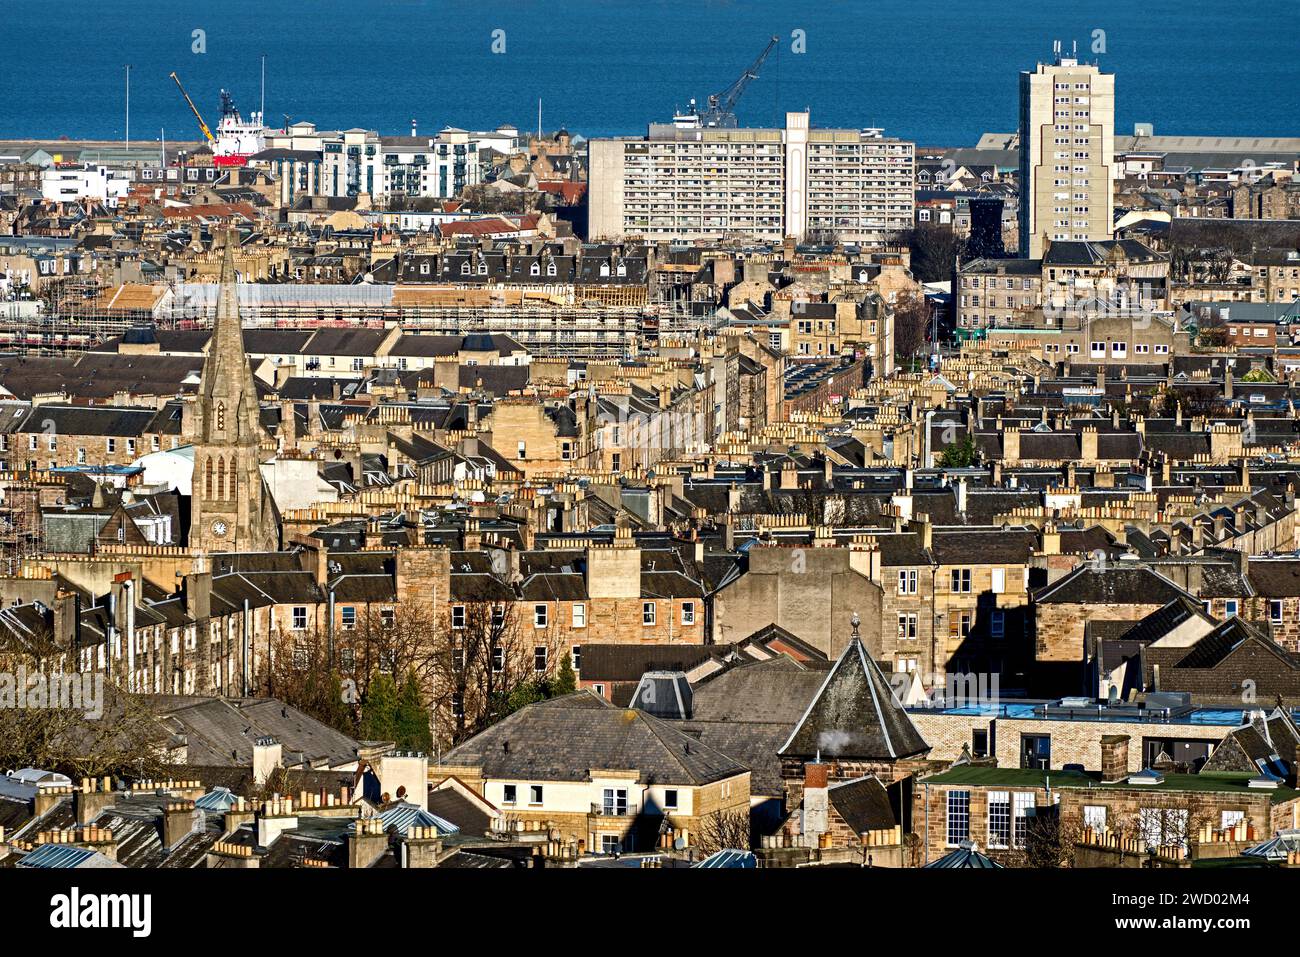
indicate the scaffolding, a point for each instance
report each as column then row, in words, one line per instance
column 543, row 328
column 82, row 312
column 76, row 315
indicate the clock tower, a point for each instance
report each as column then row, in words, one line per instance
column 230, row 507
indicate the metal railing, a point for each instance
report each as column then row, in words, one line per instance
column 614, row 809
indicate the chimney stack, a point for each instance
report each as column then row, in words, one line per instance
column 1088, row 444
column 816, row 800
column 1114, row 757
column 92, row 798
column 268, row 754
column 277, row 817
column 924, row 529
column 1051, row 539
column 198, row 595
column 367, row 842
column 178, row 822
column 423, row 847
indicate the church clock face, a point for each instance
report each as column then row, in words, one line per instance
column 219, row 528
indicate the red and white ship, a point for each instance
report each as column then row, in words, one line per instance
column 236, row 139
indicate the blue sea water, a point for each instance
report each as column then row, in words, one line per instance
column 939, row 74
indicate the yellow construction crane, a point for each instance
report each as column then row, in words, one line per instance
column 207, row 133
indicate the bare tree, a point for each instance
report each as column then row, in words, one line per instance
column 934, row 251
column 722, row 830
column 1201, row 400
column 298, row 670
column 396, row 641
column 911, row 323
column 1170, row 821
column 121, row 736
column 328, row 676
column 1050, row 841
column 487, row 663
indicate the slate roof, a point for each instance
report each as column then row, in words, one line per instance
column 1266, row 744
column 1222, row 641
column 89, row 420
column 1163, row 620
column 863, row 804
column 855, row 715
column 449, row 805
column 966, row 857
column 221, row 731
column 563, row 739
column 984, row 546
column 1275, row 577
column 664, row 694
column 1115, row 584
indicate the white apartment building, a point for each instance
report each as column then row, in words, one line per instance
column 1067, row 149
column 765, row 184
column 391, row 167
column 67, row 183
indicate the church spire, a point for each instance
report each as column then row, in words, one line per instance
column 227, row 380
column 230, row 507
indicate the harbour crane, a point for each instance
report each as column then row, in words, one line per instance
column 207, row 133
column 721, row 109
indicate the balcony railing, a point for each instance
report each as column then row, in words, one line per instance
column 614, row 809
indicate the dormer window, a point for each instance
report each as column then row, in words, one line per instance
column 464, row 269
column 535, row 270
column 604, row 269
column 482, row 269
column 550, row 269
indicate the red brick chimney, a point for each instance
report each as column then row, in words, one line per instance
column 816, row 775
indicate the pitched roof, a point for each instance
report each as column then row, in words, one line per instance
column 863, row 804
column 776, row 691
column 1164, row 620
column 855, row 715
column 1129, row 584
column 966, row 857
column 564, row 739
column 1211, row 650
column 628, row 662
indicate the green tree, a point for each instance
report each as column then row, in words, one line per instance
column 565, row 680
column 411, row 718
column 379, row 709
column 323, row 699
column 959, row 455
